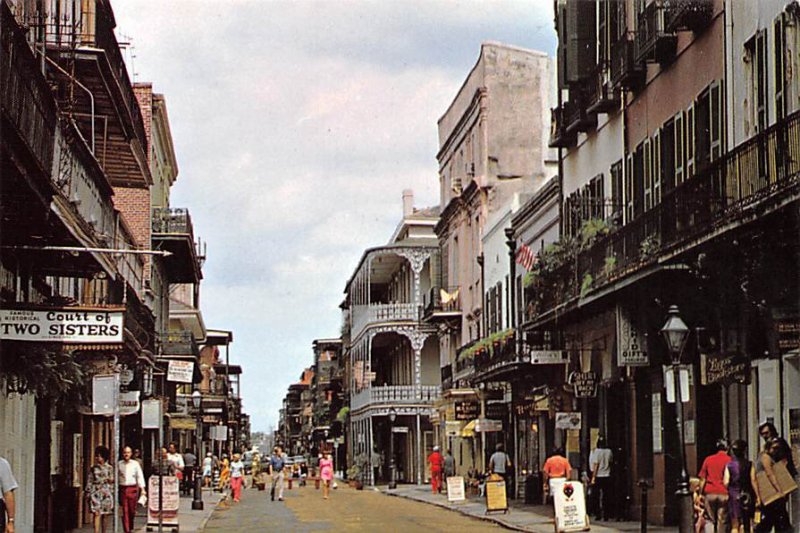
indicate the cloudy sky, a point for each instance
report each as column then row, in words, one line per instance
column 297, row 125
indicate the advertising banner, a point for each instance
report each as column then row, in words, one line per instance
column 169, row 508
column 455, row 489
column 180, row 371
column 568, row 420
column 128, row 403
column 570, row 507
column 68, row 325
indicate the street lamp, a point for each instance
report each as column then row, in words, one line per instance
column 197, row 501
column 675, row 333
column 392, row 466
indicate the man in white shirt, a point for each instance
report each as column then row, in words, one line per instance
column 175, row 459
column 600, row 463
column 7, row 502
column 131, row 484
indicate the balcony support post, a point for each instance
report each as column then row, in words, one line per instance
column 419, row 451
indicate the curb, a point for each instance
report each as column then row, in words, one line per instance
column 486, row 518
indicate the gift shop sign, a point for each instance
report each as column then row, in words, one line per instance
column 80, row 326
column 631, row 350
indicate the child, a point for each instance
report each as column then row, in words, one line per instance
column 702, row 523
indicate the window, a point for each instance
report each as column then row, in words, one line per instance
column 780, row 67
column 717, row 121
column 638, row 180
column 655, row 171
column 689, row 142
column 678, row 142
column 760, row 80
column 667, row 156
column 629, row 211
column 647, row 174
column 616, row 191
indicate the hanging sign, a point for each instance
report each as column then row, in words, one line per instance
column 466, row 410
column 104, row 393
column 128, row 403
column 399, row 429
column 548, row 357
column 452, row 428
column 631, row 350
column 486, row 425
column 585, row 384
column 655, row 412
column 724, row 368
column 685, row 378
column 151, row 414
column 570, row 507
column 79, row 326
column 568, row 420
column 180, row 371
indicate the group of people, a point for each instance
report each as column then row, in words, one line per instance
column 276, row 468
column 730, row 490
column 440, row 465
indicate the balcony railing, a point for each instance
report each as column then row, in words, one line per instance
column 692, row 15
column 653, row 41
column 578, row 118
column 178, row 343
column 442, row 301
column 626, row 72
column 603, row 99
column 172, row 220
column 759, row 171
column 395, row 394
column 447, row 376
column 367, row 315
column 26, row 99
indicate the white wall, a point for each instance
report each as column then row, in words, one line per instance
column 18, row 446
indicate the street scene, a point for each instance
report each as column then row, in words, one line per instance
column 438, row 265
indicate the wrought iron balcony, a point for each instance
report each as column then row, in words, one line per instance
column 626, row 72
column 179, row 343
column 758, row 176
column 395, row 395
column 442, row 304
column 579, row 118
column 27, row 102
column 377, row 313
column 653, row 40
column 694, row 15
column 172, row 231
column 603, row 99
column 447, row 376
column 559, row 137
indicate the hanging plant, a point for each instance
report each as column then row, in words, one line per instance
column 45, row 372
column 586, row 284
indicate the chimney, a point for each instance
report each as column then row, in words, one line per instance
column 408, row 203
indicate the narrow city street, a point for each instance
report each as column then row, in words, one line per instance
column 347, row 510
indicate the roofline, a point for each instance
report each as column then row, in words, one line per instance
column 386, row 247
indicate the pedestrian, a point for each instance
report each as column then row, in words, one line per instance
column 224, row 473
column 131, row 486
column 699, row 507
column 276, row 464
column 449, row 465
column 783, row 452
column 100, row 488
column 237, row 477
column 556, row 470
column 208, row 463
column 500, row 463
column 773, row 514
column 326, row 474
column 189, row 463
column 436, row 461
column 8, row 502
column 176, row 460
column 713, row 487
column 600, row 464
column 737, row 480
column 137, row 456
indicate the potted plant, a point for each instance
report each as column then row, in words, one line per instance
column 354, row 475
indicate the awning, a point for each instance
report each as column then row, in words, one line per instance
column 469, row 429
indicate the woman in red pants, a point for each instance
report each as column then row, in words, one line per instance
column 436, row 461
column 237, row 477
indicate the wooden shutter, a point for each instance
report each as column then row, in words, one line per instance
column 716, row 121
column 679, row 133
column 656, row 172
column 628, row 188
column 647, row 174
column 689, row 142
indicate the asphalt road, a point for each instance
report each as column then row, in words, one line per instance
column 347, row 509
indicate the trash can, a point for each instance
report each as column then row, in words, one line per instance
column 533, row 488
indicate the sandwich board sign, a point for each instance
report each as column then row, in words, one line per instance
column 455, row 489
column 496, row 495
column 570, row 507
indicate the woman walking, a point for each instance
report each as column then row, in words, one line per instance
column 737, row 479
column 326, row 474
column 100, row 488
column 224, row 474
column 208, row 462
column 237, row 477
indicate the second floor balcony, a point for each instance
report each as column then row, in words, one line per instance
column 694, row 15
column 173, row 232
column 389, row 395
column 379, row 313
column 179, row 344
column 559, row 136
column 653, row 40
column 751, row 181
column 442, row 304
column 626, row 71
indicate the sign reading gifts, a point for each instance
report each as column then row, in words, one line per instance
column 631, row 348
column 81, row 326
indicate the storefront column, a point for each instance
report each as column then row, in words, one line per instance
column 419, row 452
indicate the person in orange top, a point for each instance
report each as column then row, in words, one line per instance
column 436, row 461
column 556, row 467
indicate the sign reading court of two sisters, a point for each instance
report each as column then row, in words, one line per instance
column 67, row 325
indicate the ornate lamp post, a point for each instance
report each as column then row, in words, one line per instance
column 197, row 501
column 675, row 333
column 392, row 466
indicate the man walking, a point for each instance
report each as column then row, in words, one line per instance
column 131, row 483
column 276, row 464
column 8, row 508
column 189, row 463
column 436, row 461
column 556, row 470
column 449, row 465
column 600, row 463
column 500, row 463
column 713, row 486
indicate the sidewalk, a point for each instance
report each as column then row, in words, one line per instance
column 189, row 520
column 521, row 517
